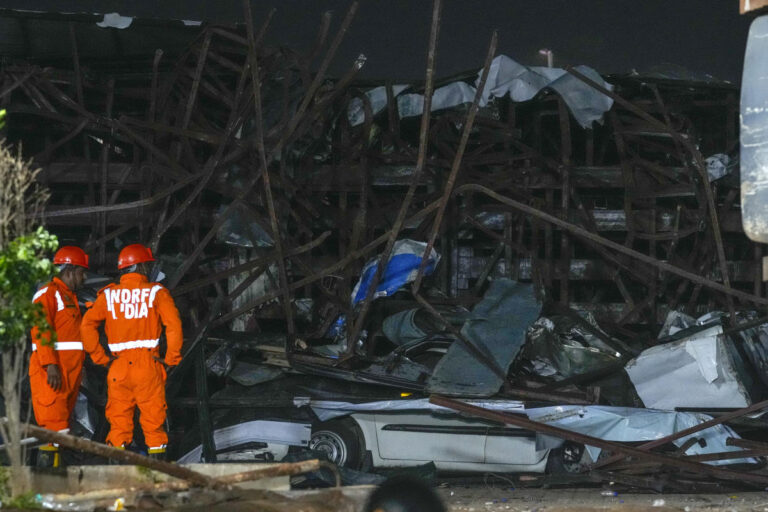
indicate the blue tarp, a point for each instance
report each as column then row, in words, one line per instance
column 401, row 269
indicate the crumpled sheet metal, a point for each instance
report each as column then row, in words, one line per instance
column 448, row 96
column 497, row 326
column 675, row 322
column 522, row 83
column 557, row 346
column 696, row 371
column 261, row 431
column 754, row 343
column 624, row 424
column 719, row 165
column 506, row 76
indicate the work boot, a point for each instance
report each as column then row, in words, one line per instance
column 157, row 453
column 115, row 462
column 48, row 456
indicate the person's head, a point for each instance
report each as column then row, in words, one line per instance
column 404, row 494
column 135, row 258
column 72, row 262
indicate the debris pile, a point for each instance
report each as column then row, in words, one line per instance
column 540, row 228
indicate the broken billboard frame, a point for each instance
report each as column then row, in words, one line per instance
column 619, row 219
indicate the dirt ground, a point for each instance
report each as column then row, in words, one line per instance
column 474, row 498
column 480, row 498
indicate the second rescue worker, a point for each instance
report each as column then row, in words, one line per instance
column 55, row 369
column 134, row 312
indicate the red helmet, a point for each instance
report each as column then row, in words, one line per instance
column 133, row 254
column 69, row 254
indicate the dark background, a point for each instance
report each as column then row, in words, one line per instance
column 704, row 36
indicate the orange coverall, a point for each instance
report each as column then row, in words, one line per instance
column 133, row 312
column 53, row 408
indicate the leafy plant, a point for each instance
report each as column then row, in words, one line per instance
column 23, row 501
column 23, row 263
column 24, row 245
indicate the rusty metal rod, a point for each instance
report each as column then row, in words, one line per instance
column 742, row 454
column 48, row 151
column 261, row 151
column 177, row 171
column 248, row 265
column 700, row 167
column 746, row 325
column 192, row 97
column 747, row 444
column 210, row 168
column 322, row 35
column 456, row 165
column 346, row 260
column 123, row 206
column 246, row 189
column 608, row 243
column 18, row 82
column 383, row 259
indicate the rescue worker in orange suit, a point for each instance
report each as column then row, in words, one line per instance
column 134, row 312
column 55, row 366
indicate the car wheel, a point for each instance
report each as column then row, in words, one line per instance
column 340, row 441
column 566, row 459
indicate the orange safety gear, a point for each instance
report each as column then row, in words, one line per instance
column 53, row 408
column 71, row 255
column 134, row 312
column 134, row 254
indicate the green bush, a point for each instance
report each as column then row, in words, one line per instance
column 23, row 263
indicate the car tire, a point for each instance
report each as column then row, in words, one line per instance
column 341, row 441
column 565, row 459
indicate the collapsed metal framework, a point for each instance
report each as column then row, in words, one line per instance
column 620, row 219
column 644, row 467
